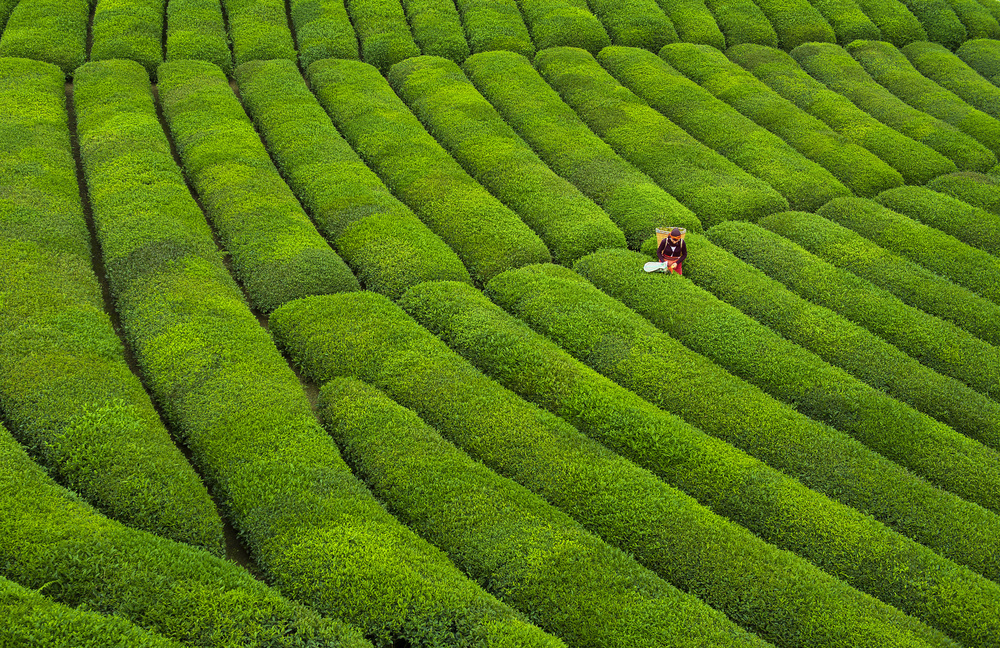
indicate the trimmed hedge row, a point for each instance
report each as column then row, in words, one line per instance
column 939, row 21
column 196, row 30
column 952, row 73
column 54, row 31
column 383, row 33
column 693, row 22
column 437, row 28
column 847, row 19
column 50, row 539
column 972, row 225
column 556, row 133
column 741, row 21
column 465, row 123
column 803, row 183
column 379, row 237
column 665, row 529
column 861, row 171
column 323, row 30
column 495, row 25
column 129, row 29
column 6, row 6
column 486, row 235
column 708, row 184
column 890, row 68
column 894, row 20
column 530, row 554
column 635, row 23
column 259, row 30
column 276, row 252
column 938, row 252
column 835, row 68
column 66, row 390
column 916, row 162
column 979, row 22
column 563, row 23
column 797, row 22
column 976, row 189
column 983, row 56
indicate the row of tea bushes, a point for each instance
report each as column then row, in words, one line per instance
column 983, row 56
column 315, row 530
column 724, row 479
column 704, row 181
column 323, row 30
column 635, row 23
column 797, row 22
column 861, row 171
column 6, row 6
column 562, row 23
column 129, row 29
column 196, row 30
column 721, row 127
column 916, row 162
column 486, row 235
column 976, row 189
column 980, row 20
column 276, row 252
column 259, row 30
column 848, row 21
column 464, row 122
column 66, row 390
column 495, row 25
column 51, row 540
column 939, row 21
column 951, row 73
column 741, row 21
column 971, row 225
column 383, row 33
column 663, row 528
column 694, row 22
column 530, row 554
column 556, row 133
column 54, row 31
column 894, row 20
column 388, row 247
column 437, row 28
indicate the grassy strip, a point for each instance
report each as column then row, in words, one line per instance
column 742, row 21
column 379, row 237
column 894, row 20
column 983, row 56
column 196, row 30
column 952, row 73
column 556, row 133
column 976, row 189
column 708, row 184
column 939, row 21
column 530, row 554
column 693, row 22
column 54, row 31
column 938, row 252
column 277, row 253
column 847, row 19
column 66, row 390
column 797, row 22
column 916, row 162
column 803, row 183
column 465, row 123
column 486, row 235
column 563, row 23
column 129, row 29
column 259, row 30
column 50, row 539
column 495, row 25
column 437, row 28
column 383, row 33
column 635, row 23
column 836, row 69
column 861, row 171
column 973, row 225
column 323, row 30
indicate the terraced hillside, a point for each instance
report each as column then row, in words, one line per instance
column 325, row 323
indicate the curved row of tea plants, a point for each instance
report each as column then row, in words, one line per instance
column 54, row 31
column 741, row 21
column 196, row 30
column 258, row 29
column 323, row 30
column 983, row 56
column 129, row 29
column 976, row 189
column 437, row 28
column 635, row 23
column 495, row 25
column 797, row 22
column 951, row 73
column 559, row 23
column 847, row 19
column 383, row 33
column 971, row 225
column 694, row 22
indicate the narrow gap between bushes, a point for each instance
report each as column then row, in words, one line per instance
column 90, row 28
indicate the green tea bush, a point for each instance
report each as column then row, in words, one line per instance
column 916, row 162
column 464, row 122
column 693, row 22
column 836, row 69
column 129, row 29
column 952, row 73
column 861, row 171
column 708, row 184
column 848, row 20
column 437, row 28
column 716, row 124
column 196, row 30
column 323, row 30
column 54, row 31
column 894, row 20
column 635, row 23
column 741, row 21
column 635, row 203
column 259, row 30
column 383, row 33
column 380, row 238
column 529, row 553
column 276, row 251
column 976, row 189
column 973, row 225
column 486, row 235
column 979, row 22
column 797, row 22
column 939, row 21
column 563, row 23
column 495, row 25
column 983, row 56
column 6, row 6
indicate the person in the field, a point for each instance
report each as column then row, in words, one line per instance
column 673, row 250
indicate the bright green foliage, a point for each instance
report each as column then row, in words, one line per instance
column 973, row 225
column 797, row 22
column 708, row 184
column 495, row 25
column 916, row 162
column 66, row 390
column 693, row 22
column 530, row 554
column 379, row 237
column 129, row 29
column 939, row 21
column 977, row 19
column 861, row 171
column 383, row 33
column 977, row 189
column 437, row 28
column 563, row 23
column 952, row 73
column 196, row 30
column 465, row 123
column 741, row 21
column 54, row 31
column 991, row 7
column 983, row 56
column 847, row 19
column 486, row 235
column 50, row 539
column 276, row 251
column 894, row 20
column 635, row 23
column 890, row 68
column 323, row 30
column 634, row 202
column 259, row 30
column 835, row 68
column 803, row 183
column 6, row 6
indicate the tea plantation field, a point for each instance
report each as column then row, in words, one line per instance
column 324, row 323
